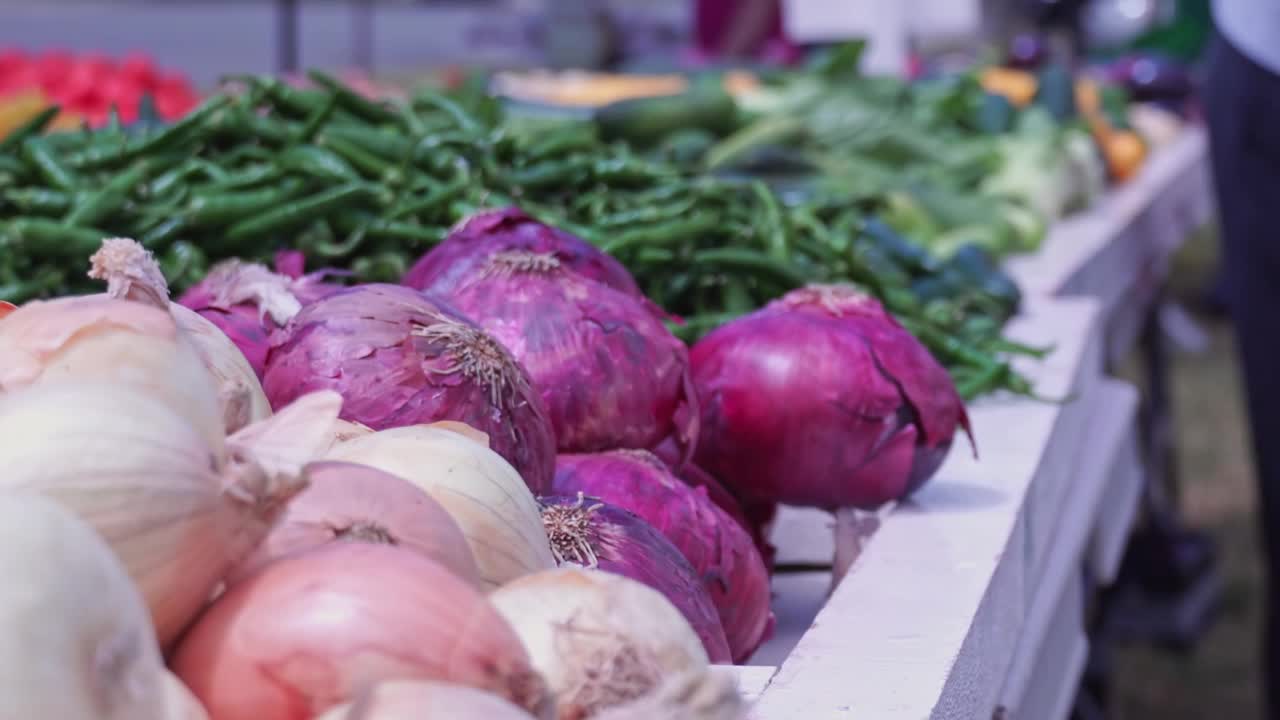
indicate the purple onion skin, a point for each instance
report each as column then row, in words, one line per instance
column 718, row 548
column 625, row 544
column 248, row 327
column 365, row 344
column 493, row 231
column 822, row 399
column 610, row 373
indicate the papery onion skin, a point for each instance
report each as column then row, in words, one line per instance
column 822, row 399
column 754, row 519
column 181, row 704
column 178, row 513
column 601, row 640
column 481, row 491
column 399, row 358
column 346, row 502
column 132, row 273
column 77, row 641
column 248, row 302
column 609, row 371
column 489, row 232
column 590, row 533
column 96, row 338
column 413, row 700
column 719, row 549
column 312, row 631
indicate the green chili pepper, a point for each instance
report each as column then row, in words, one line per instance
column 97, row 206
column 38, row 201
column 432, row 202
column 183, row 262
column 208, row 210
column 36, row 153
column 665, row 234
column 383, row 267
column 163, row 232
column 318, row 163
column 176, row 133
column 299, row 212
column 388, row 146
column 353, row 101
column 460, row 117
column 418, row 236
column 775, row 230
column 373, row 167
column 29, row 129
column 308, row 131
column 42, row 237
column 743, row 259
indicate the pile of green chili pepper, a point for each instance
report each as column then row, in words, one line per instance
column 370, row 186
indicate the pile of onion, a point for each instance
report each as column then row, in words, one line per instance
column 589, row 533
column 822, row 399
column 77, row 643
column 610, row 372
column 600, row 640
column 248, row 302
column 345, row 502
column 179, row 511
column 483, row 494
column 313, row 630
column 419, row 700
column 721, row 552
column 490, row 232
column 399, row 358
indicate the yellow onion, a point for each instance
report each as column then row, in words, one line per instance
column 599, row 639
column 131, row 273
column 177, row 511
column 695, row 695
column 410, row 700
column 482, row 492
column 76, row 642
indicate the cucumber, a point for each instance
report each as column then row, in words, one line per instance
column 1056, row 92
column 645, row 121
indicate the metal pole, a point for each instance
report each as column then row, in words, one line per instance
column 287, row 36
column 362, row 34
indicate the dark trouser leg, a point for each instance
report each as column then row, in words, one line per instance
column 1243, row 107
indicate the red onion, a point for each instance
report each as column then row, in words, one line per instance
column 490, row 232
column 822, row 399
column 610, row 372
column 399, row 358
column 248, row 302
column 590, row 533
column 6, row 308
column 754, row 519
column 316, row 629
column 346, row 502
column 718, row 548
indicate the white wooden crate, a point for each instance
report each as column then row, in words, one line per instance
column 930, row 616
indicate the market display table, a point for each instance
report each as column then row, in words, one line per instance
column 968, row 600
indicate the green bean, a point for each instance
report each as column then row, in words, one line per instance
column 354, row 101
column 460, row 117
column 317, row 162
column 98, row 206
column 38, row 201
column 743, row 259
column 208, row 210
column 665, row 234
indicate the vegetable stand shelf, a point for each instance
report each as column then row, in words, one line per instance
column 967, row 598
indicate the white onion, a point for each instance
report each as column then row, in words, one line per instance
column 75, row 639
column 599, row 639
column 484, row 494
column 132, row 273
column 178, row 512
column 413, row 700
column 180, row 703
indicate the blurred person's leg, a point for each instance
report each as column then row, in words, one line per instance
column 1242, row 102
